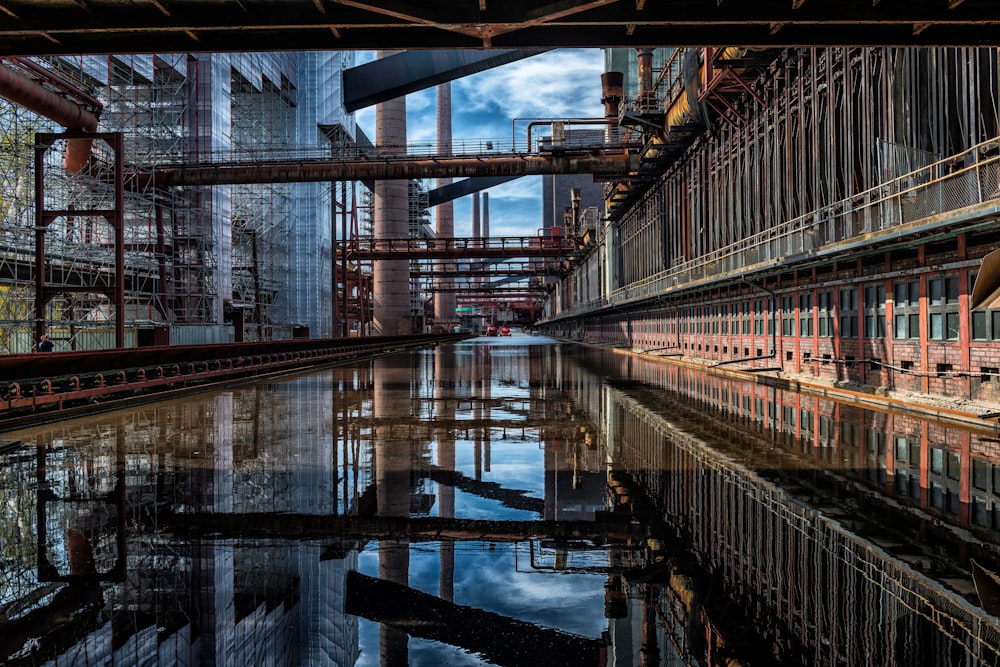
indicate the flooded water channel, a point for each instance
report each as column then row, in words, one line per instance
column 508, row 501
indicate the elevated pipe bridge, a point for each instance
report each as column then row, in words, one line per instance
column 604, row 162
column 509, row 247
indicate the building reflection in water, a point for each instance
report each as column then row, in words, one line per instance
column 514, row 501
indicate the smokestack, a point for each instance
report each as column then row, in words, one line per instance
column 391, row 277
column 486, row 215
column 575, row 217
column 476, row 231
column 444, row 214
column 612, row 84
column 646, row 98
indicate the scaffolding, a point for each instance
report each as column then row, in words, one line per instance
column 202, row 264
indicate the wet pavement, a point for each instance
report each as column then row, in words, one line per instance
column 509, row 501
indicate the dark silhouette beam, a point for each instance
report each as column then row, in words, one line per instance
column 410, row 71
column 499, row 639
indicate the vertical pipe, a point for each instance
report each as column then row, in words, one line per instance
column 647, row 100
column 612, row 84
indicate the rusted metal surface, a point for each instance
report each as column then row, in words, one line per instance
column 394, row 168
column 510, row 247
column 40, row 385
column 31, row 27
column 486, row 270
column 32, row 95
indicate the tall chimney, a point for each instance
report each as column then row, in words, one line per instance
column 391, row 277
column 444, row 214
column 486, row 215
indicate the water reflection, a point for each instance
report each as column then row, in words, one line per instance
column 513, row 501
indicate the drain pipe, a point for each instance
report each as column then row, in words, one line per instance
column 774, row 328
column 34, row 97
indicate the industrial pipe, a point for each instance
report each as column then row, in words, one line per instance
column 308, row 171
column 612, row 87
column 34, row 97
column 647, row 98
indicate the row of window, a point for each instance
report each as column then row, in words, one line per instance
column 942, row 314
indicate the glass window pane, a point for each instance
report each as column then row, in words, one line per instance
column 900, row 326
column 914, row 326
column 937, row 291
column 951, row 289
column 936, row 326
column 900, row 296
column 951, row 321
column 937, row 460
column 995, row 316
column 979, row 325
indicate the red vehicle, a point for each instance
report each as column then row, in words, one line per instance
column 492, row 331
column 504, row 331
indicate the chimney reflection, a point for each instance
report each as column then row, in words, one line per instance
column 393, row 468
column 446, row 376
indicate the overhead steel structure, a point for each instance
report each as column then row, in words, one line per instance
column 42, row 27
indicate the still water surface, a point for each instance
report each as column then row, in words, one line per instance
column 513, row 501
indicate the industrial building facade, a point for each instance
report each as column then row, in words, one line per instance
column 204, row 263
column 821, row 211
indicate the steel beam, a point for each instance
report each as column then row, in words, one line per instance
column 66, row 27
column 410, row 71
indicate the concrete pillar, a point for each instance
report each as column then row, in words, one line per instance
column 391, row 279
column 444, row 302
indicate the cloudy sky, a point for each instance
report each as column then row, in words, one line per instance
column 565, row 83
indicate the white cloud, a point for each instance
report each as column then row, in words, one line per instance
column 556, row 84
column 565, row 83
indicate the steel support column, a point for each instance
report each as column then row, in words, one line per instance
column 114, row 216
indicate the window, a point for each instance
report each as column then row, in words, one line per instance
column 875, row 311
column 824, row 303
column 746, row 318
column 805, row 315
column 788, row 316
column 985, row 323
column 906, row 309
column 942, row 308
column 847, row 310
column 758, row 317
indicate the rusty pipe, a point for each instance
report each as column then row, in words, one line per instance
column 27, row 93
column 612, row 93
column 308, row 171
column 647, row 99
column 65, row 86
column 35, row 97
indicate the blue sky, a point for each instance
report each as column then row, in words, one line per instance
column 565, row 83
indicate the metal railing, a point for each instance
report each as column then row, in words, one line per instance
column 960, row 181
